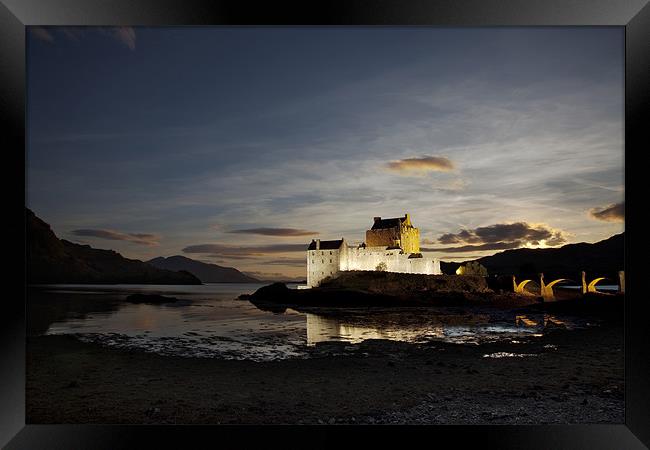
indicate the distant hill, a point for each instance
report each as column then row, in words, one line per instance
column 51, row 260
column 207, row 273
column 603, row 258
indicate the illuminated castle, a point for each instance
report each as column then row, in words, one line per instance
column 392, row 245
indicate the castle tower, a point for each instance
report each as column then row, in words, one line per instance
column 397, row 232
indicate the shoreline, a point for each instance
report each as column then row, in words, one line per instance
column 577, row 377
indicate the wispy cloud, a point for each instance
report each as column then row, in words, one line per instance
column 610, row 213
column 41, row 33
column 73, row 33
column 124, row 35
column 220, row 257
column 294, row 262
column 476, row 248
column 422, row 165
column 234, row 251
column 275, row 231
column 137, row 238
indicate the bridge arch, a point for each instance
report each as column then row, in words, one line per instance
column 554, row 282
column 518, row 288
column 547, row 289
column 592, row 285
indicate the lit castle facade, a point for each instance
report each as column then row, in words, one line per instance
column 392, row 245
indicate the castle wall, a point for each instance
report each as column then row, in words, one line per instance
column 369, row 258
column 322, row 264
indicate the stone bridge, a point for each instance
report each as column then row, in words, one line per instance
column 546, row 290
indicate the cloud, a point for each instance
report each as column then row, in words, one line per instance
column 236, row 257
column 419, row 166
column 508, row 136
column 73, row 33
column 126, row 35
column 474, row 248
column 137, row 238
column 456, row 257
column 450, row 186
column 233, row 251
column 275, row 231
column 610, row 213
column 42, row 34
column 503, row 236
column 295, row 262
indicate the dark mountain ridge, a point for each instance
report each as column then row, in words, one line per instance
column 603, row 258
column 51, row 260
column 207, row 273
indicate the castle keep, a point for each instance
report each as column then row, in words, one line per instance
column 394, row 233
column 392, row 245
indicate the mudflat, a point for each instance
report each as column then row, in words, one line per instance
column 561, row 377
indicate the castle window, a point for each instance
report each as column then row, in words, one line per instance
column 330, row 261
column 330, row 252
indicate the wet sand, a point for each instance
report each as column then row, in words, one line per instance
column 577, row 377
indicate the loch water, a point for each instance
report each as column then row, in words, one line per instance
column 210, row 321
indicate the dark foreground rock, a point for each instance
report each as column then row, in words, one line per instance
column 401, row 284
column 381, row 289
column 568, row 377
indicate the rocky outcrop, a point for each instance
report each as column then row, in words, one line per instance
column 391, row 283
column 381, row 289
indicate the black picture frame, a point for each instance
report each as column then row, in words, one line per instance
column 634, row 15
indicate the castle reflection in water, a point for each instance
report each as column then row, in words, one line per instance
column 323, row 329
column 327, row 329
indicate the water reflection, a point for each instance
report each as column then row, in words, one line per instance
column 541, row 321
column 323, row 329
column 210, row 322
column 426, row 325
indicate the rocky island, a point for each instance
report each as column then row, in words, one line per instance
column 368, row 288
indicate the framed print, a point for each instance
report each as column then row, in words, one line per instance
column 315, row 221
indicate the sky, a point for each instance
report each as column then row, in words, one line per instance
column 238, row 146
